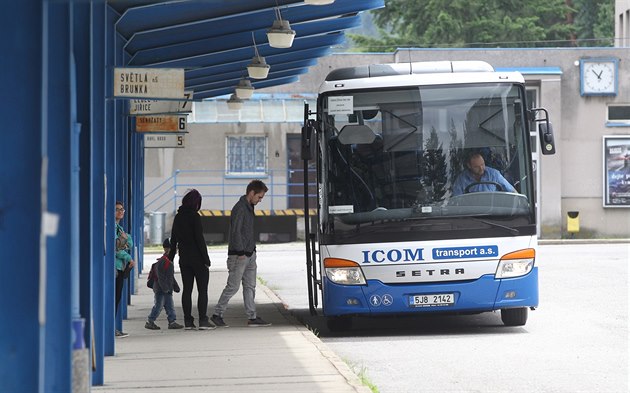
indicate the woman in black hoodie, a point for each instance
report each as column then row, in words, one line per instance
column 187, row 238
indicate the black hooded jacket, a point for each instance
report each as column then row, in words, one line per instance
column 187, row 238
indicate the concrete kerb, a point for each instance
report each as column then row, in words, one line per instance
column 543, row 242
column 341, row 366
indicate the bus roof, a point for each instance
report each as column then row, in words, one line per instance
column 421, row 67
column 417, row 73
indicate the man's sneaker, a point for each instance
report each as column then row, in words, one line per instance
column 151, row 326
column 257, row 322
column 175, row 325
column 190, row 326
column 204, row 324
column 120, row 334
column 217, row 320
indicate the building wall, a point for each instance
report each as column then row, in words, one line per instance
column 622, row 23
column 572, row 179
column 201, row 165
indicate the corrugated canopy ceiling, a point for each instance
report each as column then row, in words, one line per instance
column 212, row 39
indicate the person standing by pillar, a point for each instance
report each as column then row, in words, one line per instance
column 124, row 260
column 241, row 262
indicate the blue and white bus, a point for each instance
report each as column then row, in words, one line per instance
column 393, row 234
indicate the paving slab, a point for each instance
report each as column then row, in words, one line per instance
column 285, row 357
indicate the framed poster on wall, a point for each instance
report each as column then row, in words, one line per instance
column 616, row 171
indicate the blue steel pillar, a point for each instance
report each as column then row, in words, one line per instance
column 110, row 185
column 139, row 197
column 21, row 201
column 61, row 142
column 121, row 172
column 135, row 197
column 85, row 228
column 95, row 325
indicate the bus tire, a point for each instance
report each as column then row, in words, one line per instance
column 514, row 316
column 339, row 324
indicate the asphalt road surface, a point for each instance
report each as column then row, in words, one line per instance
column 576, row 341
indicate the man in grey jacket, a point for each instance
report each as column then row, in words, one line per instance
column 241, row 260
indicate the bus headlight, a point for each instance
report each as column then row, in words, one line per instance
column 343, row 271
column 516, row 264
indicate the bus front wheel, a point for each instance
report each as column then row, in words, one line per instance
column 514, row 316
column 339, row 324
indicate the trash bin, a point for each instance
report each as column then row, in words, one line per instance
column 573, row 222
column 157, row 222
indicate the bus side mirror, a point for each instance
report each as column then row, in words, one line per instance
column 547, row 143
column 306, row 152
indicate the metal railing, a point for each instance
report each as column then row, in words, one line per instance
column 221, row 191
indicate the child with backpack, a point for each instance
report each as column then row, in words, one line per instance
column 162, row 280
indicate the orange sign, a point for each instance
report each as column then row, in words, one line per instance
column 164, row 123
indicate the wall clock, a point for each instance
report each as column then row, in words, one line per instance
column 598, row 76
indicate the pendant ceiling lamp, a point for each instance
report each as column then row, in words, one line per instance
column 258, row 68
column 319, row 2
column 234, row 103
column 280, row 34
column 244, row 89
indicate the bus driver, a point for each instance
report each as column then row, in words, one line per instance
column 480, row 178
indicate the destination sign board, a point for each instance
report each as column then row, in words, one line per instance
column 164, row 140
column 149, row 82
column 155, row 107
column 161, row 123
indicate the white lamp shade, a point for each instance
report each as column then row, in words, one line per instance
column 258, row 68
column 319, row 2
column 244, row 93
column 280, row 35
column 244, row 89
column 234, row 103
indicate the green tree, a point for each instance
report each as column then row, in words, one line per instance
column 456, row 155
column 487, row 23
column 594, row 22
column 434, row 167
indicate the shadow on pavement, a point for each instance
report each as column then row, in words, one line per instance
column 409, row 325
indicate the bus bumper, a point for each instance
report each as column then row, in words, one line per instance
column 483, row 294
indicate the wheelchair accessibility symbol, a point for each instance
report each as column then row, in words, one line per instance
column 385, row 300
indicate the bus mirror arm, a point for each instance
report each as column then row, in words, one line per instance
column 306, row 152
column 306, row 155
column 545, row 131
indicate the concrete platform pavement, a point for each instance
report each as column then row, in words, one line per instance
column 285, row 357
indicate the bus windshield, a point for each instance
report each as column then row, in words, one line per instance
column 430, row 162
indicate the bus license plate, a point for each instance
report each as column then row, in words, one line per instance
column 432, row 300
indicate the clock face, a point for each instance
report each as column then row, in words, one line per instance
column 598, row 77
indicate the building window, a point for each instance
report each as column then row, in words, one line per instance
column 246, row 155
column 619, row 114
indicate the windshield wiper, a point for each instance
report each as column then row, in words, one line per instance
column 494, row 224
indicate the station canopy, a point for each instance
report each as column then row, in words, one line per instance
column 213, row 40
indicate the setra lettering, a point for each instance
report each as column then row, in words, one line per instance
column 431, row 272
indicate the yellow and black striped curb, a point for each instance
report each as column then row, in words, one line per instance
column 283, row 212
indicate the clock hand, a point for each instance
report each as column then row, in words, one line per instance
column 598, row 76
